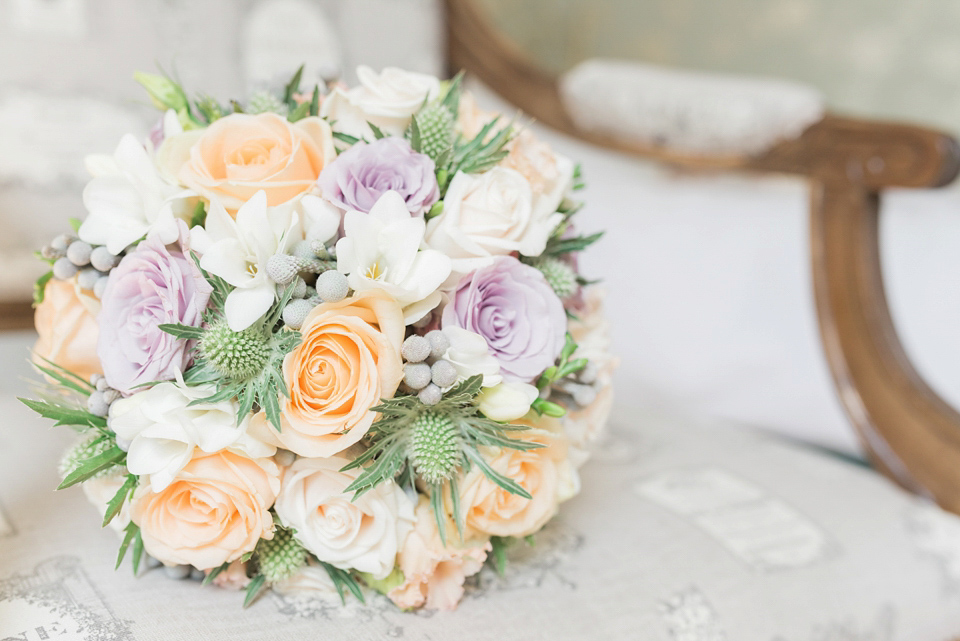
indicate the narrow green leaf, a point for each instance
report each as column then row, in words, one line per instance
column 253, row 589
column 292, row 87
column 342, row 579
column 199, row 215
column 451, row 100
column 502, row 481
column 181, row 331
column 499, row 545
column 137, row 552
column 347, row 138
column 214, row 573
column 377, row 132
column 315, row 101
column 92, row 466
column 115, row 504
column 299, row 112
column 436, row 504
column 416, row 142
column 130, row 532
column 64, row 415
column 40, row 287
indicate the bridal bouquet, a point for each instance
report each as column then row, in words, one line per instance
column 325, row 338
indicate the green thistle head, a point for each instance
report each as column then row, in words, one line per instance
column 280, row 557
column 435, row 447
column 436, row 129
column 265, row 102
column 559, row 275
column 88, row 446
column 237, row 355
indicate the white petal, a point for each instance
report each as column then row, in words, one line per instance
column 245, row 306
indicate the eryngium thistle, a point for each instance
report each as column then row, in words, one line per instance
column 266, row 102
column 238, row 355
column 88, row 446
column 280, row 557
column 434, row 447
column 436, row 130
column 559, row 275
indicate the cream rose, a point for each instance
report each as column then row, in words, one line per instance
column 241, row 154
column 544, row 473
column 387, row 99
column 489, row 215
column 214, row 512
column 347, row 360
column 66, row 321
column 364, row 535
column 507, row 401
column 549, row 173
column 433, row 572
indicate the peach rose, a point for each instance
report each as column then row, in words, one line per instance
column 214, row 512
column 241, row 154
column 544, row 473
column 66, row 321
column 434, row 573
column 348, row 360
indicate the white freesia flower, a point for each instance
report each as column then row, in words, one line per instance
column 164, row 430
column 387, row 99
column 469, row 354
column 128, row 198
column 321, row 219
column 381, row 250
column 238, row 250
column 488, row 215
column 507, row 401
column 364, row 534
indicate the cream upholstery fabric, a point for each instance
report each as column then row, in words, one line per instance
column 681, row 533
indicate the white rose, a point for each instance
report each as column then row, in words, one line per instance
column 507, row 401
column 487, row 215
column 469, row 354
column 387, row 99
column 364, row 535
column 164, row 430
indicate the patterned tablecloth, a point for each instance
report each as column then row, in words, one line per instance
column 680, row 534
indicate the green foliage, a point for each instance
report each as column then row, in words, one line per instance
column 115, row 504
column 40, row 287
column 253, row 590
column 131, row 537
column 557, row 246
column 88, row 468
column 64, row 376
column 257, row 382
column 394, row 451
column 343, row 581
column 280, row 557
column 386, row 584
column 563, row 368
column 199, row 215
column 64, row 414
column 499, row 545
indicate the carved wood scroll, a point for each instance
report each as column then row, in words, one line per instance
column 911, row 434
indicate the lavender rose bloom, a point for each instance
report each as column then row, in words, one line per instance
column 514, row 308
column 151, row 285
column 363, row 173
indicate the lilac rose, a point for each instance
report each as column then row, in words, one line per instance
column 513, row 307
column 363, row 173
column 152, row 285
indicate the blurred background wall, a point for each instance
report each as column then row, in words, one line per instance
column 883, row 58
column 67, row 90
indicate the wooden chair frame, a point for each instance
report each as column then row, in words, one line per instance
column 910, row 433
